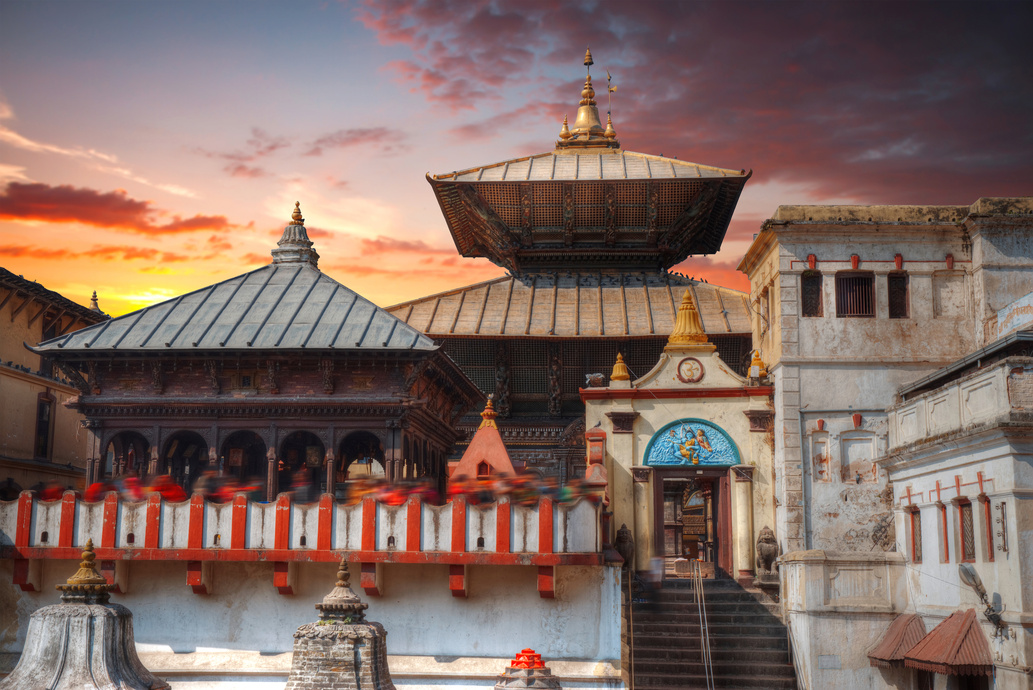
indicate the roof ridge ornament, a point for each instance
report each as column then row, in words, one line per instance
column 295, row 246
column 489, row 415
column 588, row 131
column 688, row 328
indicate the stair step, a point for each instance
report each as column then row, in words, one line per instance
column 717, row 642
column 657, row 681
column 691, row 654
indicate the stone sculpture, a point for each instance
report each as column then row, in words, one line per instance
column 767, row 552
column 342, row 650
column 83, row 643
column 625, row 545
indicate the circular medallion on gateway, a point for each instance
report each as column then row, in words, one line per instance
column 690, row 370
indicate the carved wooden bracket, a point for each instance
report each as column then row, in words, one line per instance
column 641, row 474
column 623, row 422
column 743, row 473
column 760, row 420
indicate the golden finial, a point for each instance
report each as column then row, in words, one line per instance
column 87, row 573
column 610, row 132
column 688, row 329
column 296, row 218
column 588, row 93
column 565, row 132
column 94, row 304
column 620, row 370
column 488, row 416
column 588, row 58
column 759, row 363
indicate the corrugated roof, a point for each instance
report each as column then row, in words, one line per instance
column 904, row 633
column 957, row 646
column 283, row 306
column 589, row 164
column 572, row 305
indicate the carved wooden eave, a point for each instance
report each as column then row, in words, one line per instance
column 612, row 209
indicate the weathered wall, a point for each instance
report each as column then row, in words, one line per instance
column 245, row 626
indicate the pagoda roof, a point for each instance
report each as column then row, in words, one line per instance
column 280, row 307
column 567, row 305
column 589, row 165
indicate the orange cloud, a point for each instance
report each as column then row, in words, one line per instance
column 114, row 210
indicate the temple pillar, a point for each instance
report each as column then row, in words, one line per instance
column 272, row 475
column 741, row 477
column 152, row 467
column 643, row 530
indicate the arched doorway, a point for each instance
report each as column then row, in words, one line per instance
column 300, row 460
column 186, row 453
column 127, row 453
column 361, row 457
column 243, row 457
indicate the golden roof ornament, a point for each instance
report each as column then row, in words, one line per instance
column 761, row 371
column 688, row 329
column 610, row 132
column 296, row 218
column 489, row 415
column 94, row 304
column 294, row 245
column 620, row 370
column 587, row 130
column 565, row 132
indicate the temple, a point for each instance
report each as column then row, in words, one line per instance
column 588, row 233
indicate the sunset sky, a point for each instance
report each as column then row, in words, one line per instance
column 149, row 148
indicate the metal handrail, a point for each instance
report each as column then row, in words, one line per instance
column 704, row 631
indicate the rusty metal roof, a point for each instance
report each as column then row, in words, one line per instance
column 574, row 305
column 904, row 633
column 588, row 164
column 282, row 306
column 957, row 646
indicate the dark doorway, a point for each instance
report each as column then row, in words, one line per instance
column 243, row 457
column 692, row 514
column 361, row 456
column 186, row 453
column 302, row 455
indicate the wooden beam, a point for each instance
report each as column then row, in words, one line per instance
column 26, row 302
column 42, row 309
column 47, row 323
column 10, row 294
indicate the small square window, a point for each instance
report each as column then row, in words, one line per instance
column 855, row 294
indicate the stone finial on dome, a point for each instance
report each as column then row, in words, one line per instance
column 86, row 585
column 688, row 329
column 620, row 370
column 295, row 246
column 94, row 304
column 489, row 415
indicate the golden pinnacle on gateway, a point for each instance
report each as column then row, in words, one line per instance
column 620, row 370
column 688, row 329
column 489, row 415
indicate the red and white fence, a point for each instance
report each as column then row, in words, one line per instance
column 202, row 532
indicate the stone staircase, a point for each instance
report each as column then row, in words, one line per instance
column 749, row 646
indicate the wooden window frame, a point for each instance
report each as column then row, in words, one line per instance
column 915, row 518
column 815, row 278
column 842, row 310
column 48, row 451
column 988, row 524
column 945, row 552
column 896, row 314
column 963, row 506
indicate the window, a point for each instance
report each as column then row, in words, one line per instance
column 945, row 554
column 898, row 297
column 810, row 293
column 968, row 532
column 855, row 294
column 989, row 525
column 44, row 412
column 915, row 517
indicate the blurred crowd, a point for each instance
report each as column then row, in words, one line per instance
column 520, row 489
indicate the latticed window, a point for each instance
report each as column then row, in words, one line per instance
column 855, row 294
column 898, row 297
column 968, row 532
column 916, row 536
column 810, row 293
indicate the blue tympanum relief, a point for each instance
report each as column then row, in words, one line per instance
column 691, row 442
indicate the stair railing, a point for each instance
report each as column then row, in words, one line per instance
column 704, row 631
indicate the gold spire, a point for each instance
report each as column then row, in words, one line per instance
column 565, row 132
column 587, row 130
column 488, row 416
column 610, row 132
column 94, row 304
column 620, row 370
column 588, row 58
column 296, row 218
column 87, row 585
column 688, row 329
column 87, row 573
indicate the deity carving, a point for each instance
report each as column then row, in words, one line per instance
column 555, row 385
column 767, row 552
column 502, row 405
column 691, row 442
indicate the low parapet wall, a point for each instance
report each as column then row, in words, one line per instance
column 546, row 534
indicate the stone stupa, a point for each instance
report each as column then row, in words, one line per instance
column 342, row 650
column 85, row 642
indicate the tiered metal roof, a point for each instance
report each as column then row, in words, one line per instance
column 574, row 305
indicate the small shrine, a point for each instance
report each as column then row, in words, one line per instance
column 342, row 650
column 686, row 448
column 83, row 643
column 486, row 456
column 527, row 671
